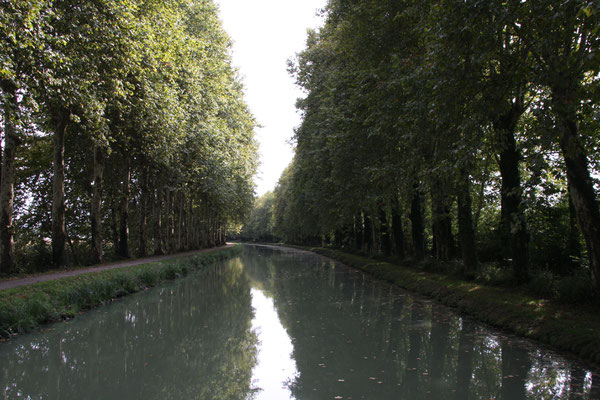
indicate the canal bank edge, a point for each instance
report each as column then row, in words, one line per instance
column 571, row 328
column 24, row 308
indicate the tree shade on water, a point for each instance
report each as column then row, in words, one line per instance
column 338, row 333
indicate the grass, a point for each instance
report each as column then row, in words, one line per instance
column 519, row 310
column 24, row 308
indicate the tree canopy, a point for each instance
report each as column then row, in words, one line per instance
column 456, row 129
column 124, row 131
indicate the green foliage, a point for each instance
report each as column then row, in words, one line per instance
column 413, row 108
column 259, row 227
column 24, row 308
column 494, row 274
column 576, row 288
column 151, row 85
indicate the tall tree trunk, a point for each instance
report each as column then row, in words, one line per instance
column 368, row 234
column 417, row 224
column 170, row 196
column 168, row 216
column 123, row 250
column 1, row 152
column 337, row 238
column 59, row 236
column 397, row 230
column 222, row 239
column 466, row 232
column 213, row 231
column 358, row 231
column 443, row 241
column 7, row 180
column 201, row 226
column 158, row 242
column 114, row 225
column 573, row 242
column 386, row 242
column 189, row 241
column 96, row 216
column 142, row 250
column 172, row 215
column 158, row 203
column 208, row 230
column 579, row 181
column 181, row 226
column 206, row 239
column 514, row 232
column 165, row 221
column 73, row 252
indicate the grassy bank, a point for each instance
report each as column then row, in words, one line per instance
column 24, row 308
column 575, row 329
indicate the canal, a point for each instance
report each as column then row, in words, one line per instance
column 282, row 324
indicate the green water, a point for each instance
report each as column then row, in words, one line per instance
column 275, row 324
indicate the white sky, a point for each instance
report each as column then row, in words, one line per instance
column 266, row 33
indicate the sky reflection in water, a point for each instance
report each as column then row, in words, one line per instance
column 274, row 368
column 275, row 324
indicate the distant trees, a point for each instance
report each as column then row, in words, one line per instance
column 259, row 226
column 151, row 141
column 462, row 129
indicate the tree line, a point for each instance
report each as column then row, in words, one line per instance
column 124, row 131
column 458, row 129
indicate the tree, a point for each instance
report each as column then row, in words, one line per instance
column 22, row 31
column 138, row 98
column 453, row 111
column 565, row 43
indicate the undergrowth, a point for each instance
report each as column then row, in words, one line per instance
column 574, row 288
column 24, row 308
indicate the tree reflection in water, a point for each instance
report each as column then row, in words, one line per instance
column 357, row 338
column 352, row 338
column 188, row 340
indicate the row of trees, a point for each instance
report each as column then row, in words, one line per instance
column 121, row 120
column 473, row 125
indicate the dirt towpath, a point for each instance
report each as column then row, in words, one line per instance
column 12, row 283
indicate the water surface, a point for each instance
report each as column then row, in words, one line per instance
column 279, row 324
